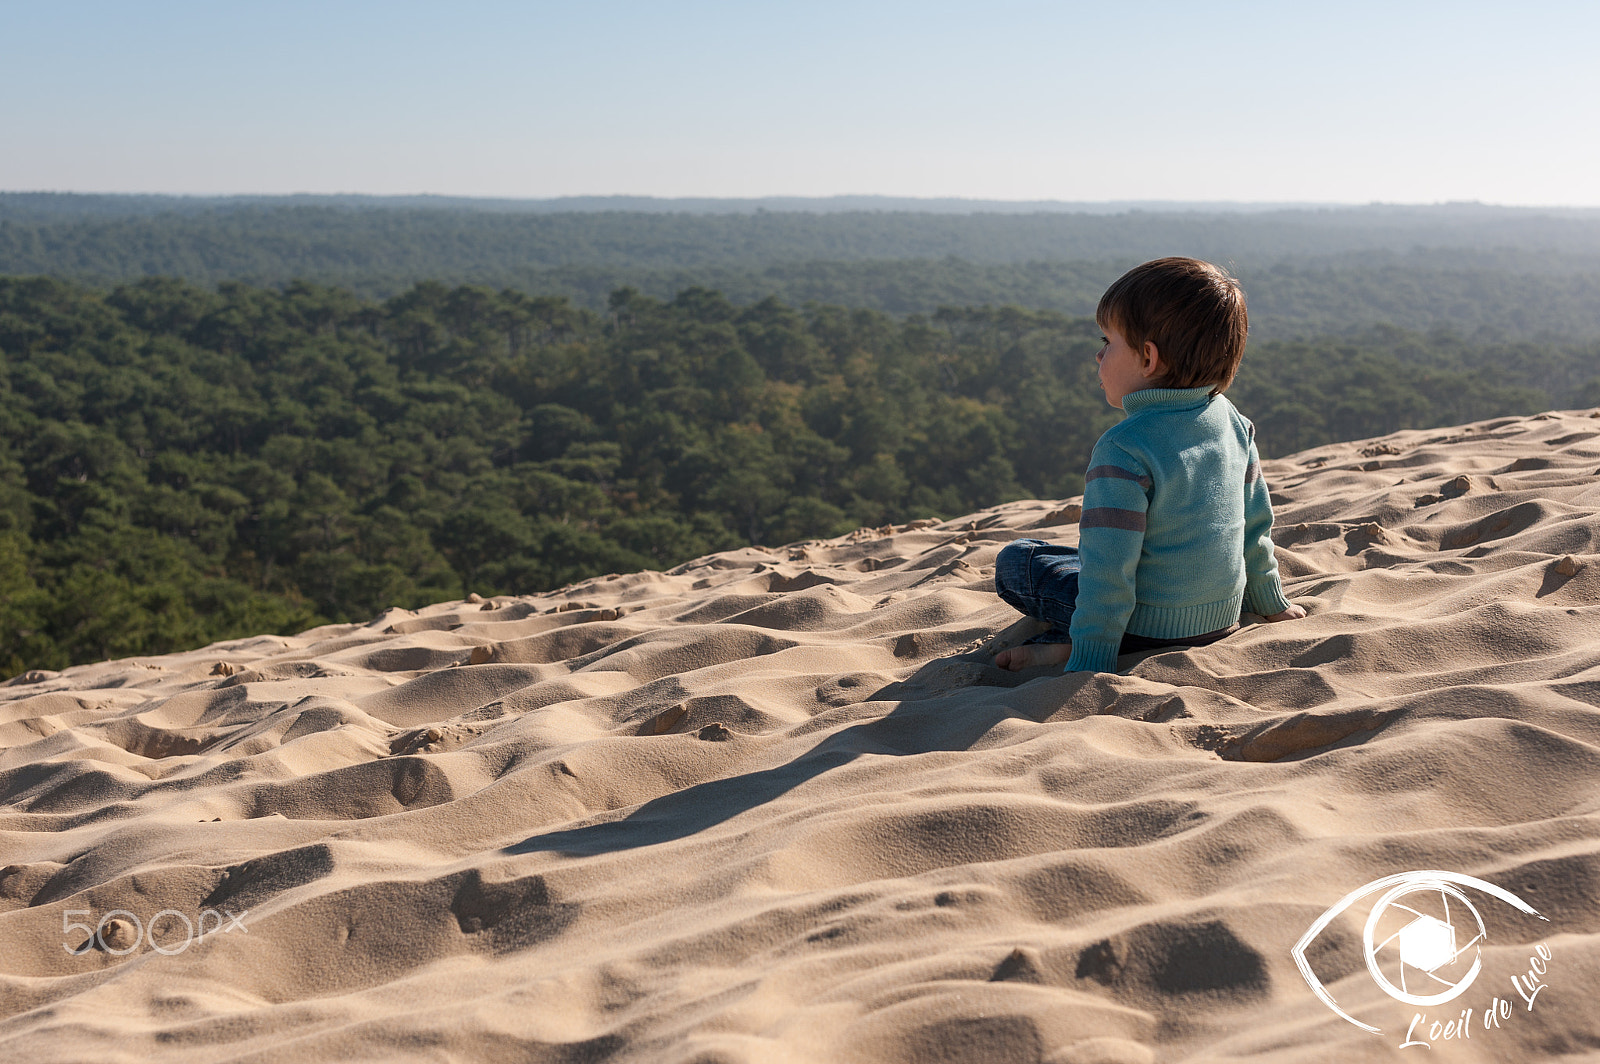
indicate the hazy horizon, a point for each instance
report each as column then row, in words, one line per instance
column 1235, row 102
column 835, row 203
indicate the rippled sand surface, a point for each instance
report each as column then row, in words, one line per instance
column 778, row 805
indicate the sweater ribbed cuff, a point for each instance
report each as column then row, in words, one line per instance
column 1264, row 595
column 1090, row 656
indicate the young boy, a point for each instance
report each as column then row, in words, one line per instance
column 1176, row 527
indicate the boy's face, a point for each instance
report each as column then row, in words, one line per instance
column 1124, row 370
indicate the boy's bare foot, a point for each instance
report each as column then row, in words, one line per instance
column 1031, row 654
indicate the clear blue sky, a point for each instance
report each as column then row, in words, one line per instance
column 1348, row 102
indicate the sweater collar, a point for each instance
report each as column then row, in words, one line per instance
column 1167, row 398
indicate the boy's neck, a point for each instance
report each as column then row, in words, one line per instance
column 1145, row 397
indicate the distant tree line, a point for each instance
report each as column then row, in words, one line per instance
column 180, row 464
column 1512, row 272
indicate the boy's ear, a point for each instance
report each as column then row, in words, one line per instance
column 1153, row 366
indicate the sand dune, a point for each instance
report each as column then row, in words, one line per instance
column 777, row 805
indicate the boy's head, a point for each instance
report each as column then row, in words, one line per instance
column 1192, row 311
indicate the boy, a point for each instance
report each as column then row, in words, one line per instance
column 1176, row 527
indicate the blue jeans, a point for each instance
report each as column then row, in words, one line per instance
column 1041, row 580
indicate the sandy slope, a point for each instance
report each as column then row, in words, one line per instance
column 777, row 806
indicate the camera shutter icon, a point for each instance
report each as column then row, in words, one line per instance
column 1427, row 943
column 1422, row 935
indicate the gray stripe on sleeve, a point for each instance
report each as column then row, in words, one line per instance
column 1252, row 472
column 1117, row 473
column 1112, row 517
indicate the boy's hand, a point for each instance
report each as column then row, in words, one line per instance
column 1293, row 613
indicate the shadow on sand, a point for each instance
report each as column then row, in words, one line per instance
column 929, row 716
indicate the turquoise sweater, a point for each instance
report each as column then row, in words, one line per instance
column 1176, row 533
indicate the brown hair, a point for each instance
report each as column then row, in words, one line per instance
column 1192, row 310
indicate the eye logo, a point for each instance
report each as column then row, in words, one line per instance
column 1421, row 941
